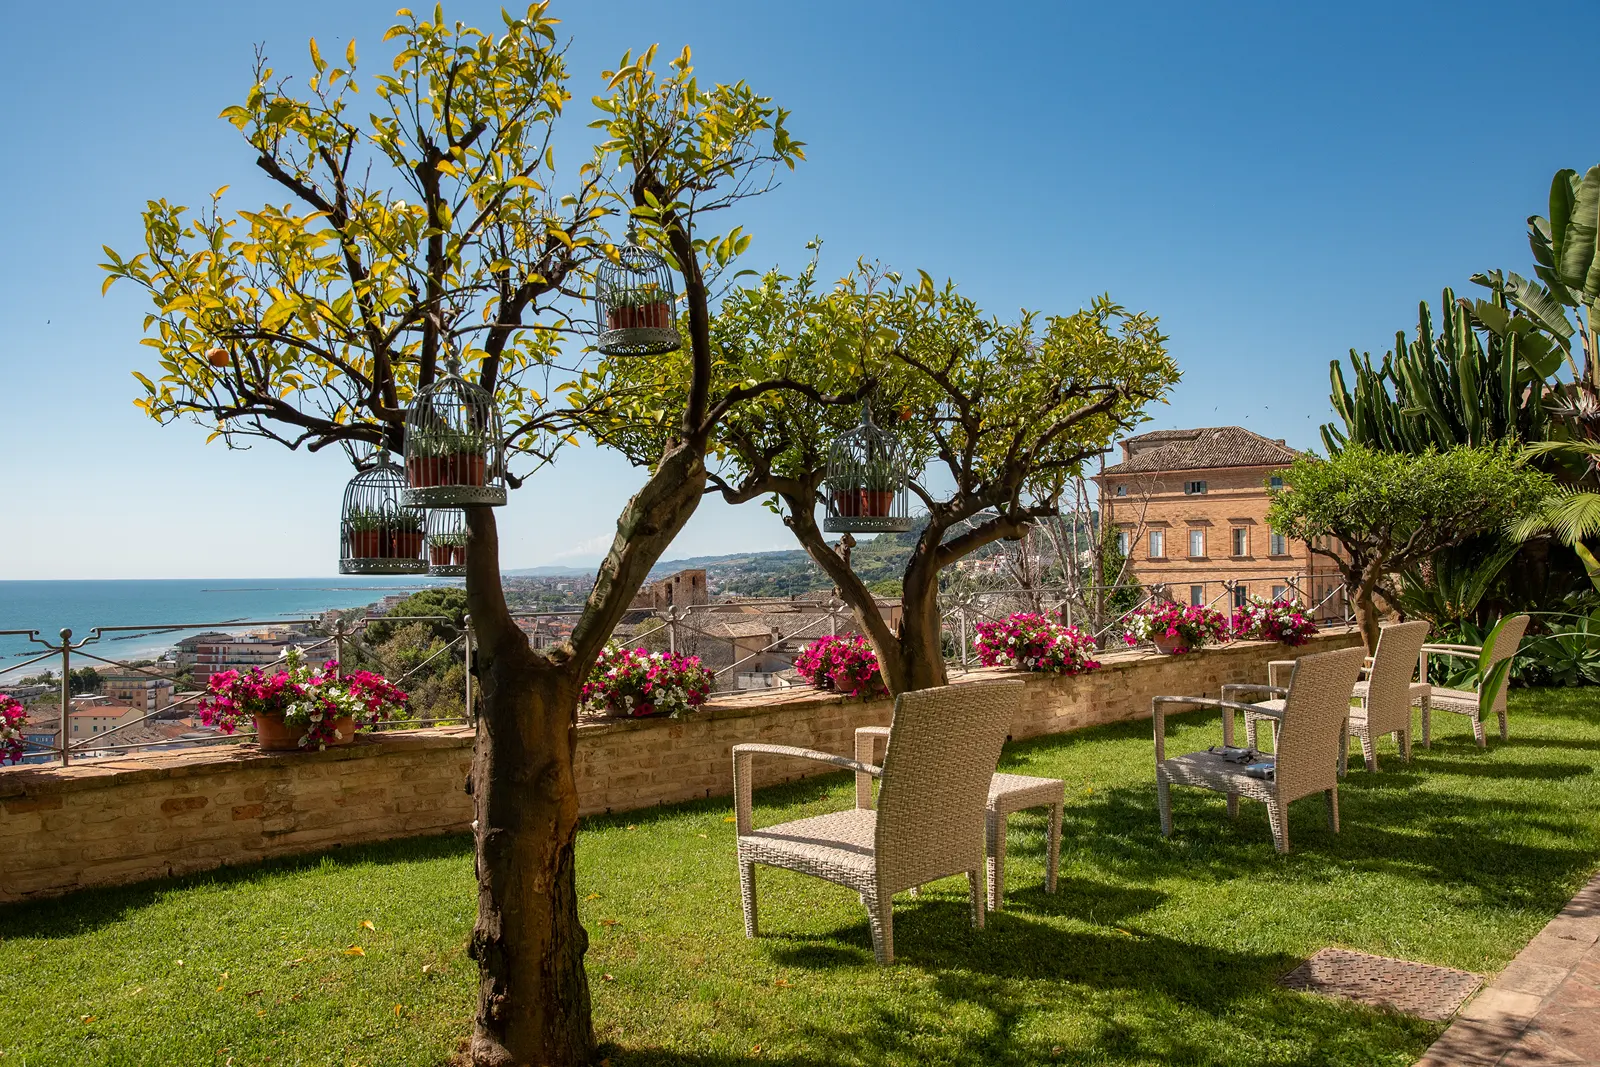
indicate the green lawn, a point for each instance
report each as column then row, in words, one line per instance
column 1153, row 951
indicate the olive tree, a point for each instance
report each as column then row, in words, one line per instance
column 433, row 219
column 1374, row 514
column 996, row 418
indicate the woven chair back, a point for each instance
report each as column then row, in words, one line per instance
column 1389, row 683
column 943, row 748
column 1314, row 721
column 1505, row 647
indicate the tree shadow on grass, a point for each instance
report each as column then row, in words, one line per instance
column 86, row 910
column 1002, row 974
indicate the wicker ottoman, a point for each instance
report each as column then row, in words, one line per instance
column 1007, row 793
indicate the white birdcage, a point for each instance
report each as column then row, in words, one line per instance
column 866, row 482
column 378, row 532
column 447, row 542
column 454, row 453
column 634, row 303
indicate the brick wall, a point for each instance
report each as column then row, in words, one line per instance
column 115, row 821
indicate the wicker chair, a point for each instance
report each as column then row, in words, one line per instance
column 1008, row 793
column 1312, row 727
column 1385, row 699
column 929, row 823
column 1467, row 701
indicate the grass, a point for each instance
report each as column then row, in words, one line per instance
column 1152, row 952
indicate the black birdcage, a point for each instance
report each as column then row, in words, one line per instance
column 454, row 455
column 866, row 483
column 447, row 542
column 634, row 303
column 378, row 533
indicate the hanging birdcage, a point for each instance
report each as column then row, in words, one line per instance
column 866, row 483
column 454, row 455
column 378, row 533
column 634, row 303
column 447, row 542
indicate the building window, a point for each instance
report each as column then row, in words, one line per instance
column 1241, row 595
column 1197, row 542
column 1279, row 545
column 1194, row 488
column 1241, row 540
column 1122, row 490
column 1122, row 543
column 1280, row 594
column 1275, row 482
column 1158, row 547
column 1197, row 595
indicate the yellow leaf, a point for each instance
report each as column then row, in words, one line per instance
column 730, row 818
column 592, row 896
column 782, row 983
column 397, row 1011
column 316, row 55
column 609, row 922
column 260, row 1013
column 87, row 1019
column 366, row 924
column 350, row 52
column 355, row 950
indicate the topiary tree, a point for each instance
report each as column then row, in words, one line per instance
column 436, row 220
column 1374, row 514
column 1003, row 415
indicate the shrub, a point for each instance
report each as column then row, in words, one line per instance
column 635, row 683
column 1274, row 620
column 313, row 699
column 1191, row 627
column 12, row 719
column 1035, row 643
column 846, row 664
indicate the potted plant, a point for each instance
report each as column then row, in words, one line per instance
column 1276, row 620
column 877, row 493
column 12, row 719
column 447, row 549
column 644, row 308
column 445, row 457
column 1035, row 643
column 298, row 706
column 846, row 495
column 364, row 533
column 635, row 683
column 405, row 534
column 846, row 664
column 1173, row 629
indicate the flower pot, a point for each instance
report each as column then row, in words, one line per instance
column 405, row 544
column 367, row 544
column 877, row 503
column 465, row 468
column 847, row 502
column 275, row 735
column 422, row 472
column 1169, row 646
column 440, row 555
column 458, row 555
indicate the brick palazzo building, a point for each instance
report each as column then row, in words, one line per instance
column 1190, row 511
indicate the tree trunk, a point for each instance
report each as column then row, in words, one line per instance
column 533, row 995
column 920, row 647
column 1366, row 610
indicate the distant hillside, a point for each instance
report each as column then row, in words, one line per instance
column 880, row 559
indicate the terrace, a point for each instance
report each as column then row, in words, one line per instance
column 1152, row 951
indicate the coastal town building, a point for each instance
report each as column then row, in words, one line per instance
column 138, row 687
column 1189, row 508
column 683, row 589
column 240, row 652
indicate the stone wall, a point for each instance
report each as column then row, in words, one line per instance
column 116, row 821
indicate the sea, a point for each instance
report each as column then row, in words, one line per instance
column 155, row 605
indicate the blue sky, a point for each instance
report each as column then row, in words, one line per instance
column 1278, row 182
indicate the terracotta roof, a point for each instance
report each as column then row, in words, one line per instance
column 1202, row 449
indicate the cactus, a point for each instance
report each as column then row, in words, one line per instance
column 1478, row 381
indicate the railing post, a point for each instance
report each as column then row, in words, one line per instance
column 961, row 614
column 672, row 629
column 66, row 695
column 338, row 643
column 472, row 715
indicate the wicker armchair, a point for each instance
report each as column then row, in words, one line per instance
column 929, row 823
column 1008, row 793
column 1385, row 698
column 1312, row 727
column 1466, row 701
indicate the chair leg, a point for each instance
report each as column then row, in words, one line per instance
column 1369, row 750
column 1427, row 725
column 1164, row 803
column 1331, row 797
column 975, row 892
column 1504, row 736
column 996, row 832
column 747, row 892
column 1477, row 730
column 1344, row 753
column 1251, row 729
column 1403, row 738
column 1053, row 847
column 1233, row 805
column 880, row 917
column 1278, row 819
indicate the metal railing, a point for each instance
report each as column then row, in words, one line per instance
column 307, row 635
